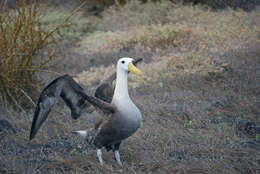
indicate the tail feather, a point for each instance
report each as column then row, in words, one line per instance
column 82, row 133
column 89, row 135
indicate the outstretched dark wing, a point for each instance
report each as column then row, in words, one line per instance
column 105, row 91
column 74, row 97
column 70, row 92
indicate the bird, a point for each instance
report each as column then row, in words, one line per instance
column 120, row 116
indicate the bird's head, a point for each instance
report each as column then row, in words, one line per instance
column 126, row 64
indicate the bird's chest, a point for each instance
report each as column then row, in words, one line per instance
column 129, row 116
column 128, row 110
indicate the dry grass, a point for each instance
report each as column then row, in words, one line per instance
column 22, row 37
column 150, row 37
column 73, row 29
column 135, row 14
column 190, row 84
column 142, row 24
column 29, row 44
column 201, row 77
column 213, row 4
column 221, row 4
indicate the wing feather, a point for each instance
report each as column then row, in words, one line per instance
column 70, row 92
column 74, row 97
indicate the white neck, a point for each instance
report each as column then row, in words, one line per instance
column 123, row 102
column 121, row 89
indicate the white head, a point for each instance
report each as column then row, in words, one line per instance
column 125, row 64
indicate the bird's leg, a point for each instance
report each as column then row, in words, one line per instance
column 117, row 156
column 99, row 154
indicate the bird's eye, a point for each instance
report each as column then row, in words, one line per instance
column 123, row 62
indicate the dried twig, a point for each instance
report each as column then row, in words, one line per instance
column 30, row 99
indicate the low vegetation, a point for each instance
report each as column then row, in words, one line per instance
column 73, row 24
column 199, row 93
column 221, row 4
column 22, row 39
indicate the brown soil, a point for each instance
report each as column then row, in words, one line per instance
column 192, row 122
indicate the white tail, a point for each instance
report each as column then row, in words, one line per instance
column 81, row 133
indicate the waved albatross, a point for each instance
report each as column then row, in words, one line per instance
column 121, row 117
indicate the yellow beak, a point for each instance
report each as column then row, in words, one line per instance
column 133, row 69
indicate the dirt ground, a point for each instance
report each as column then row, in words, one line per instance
column 200, row 107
